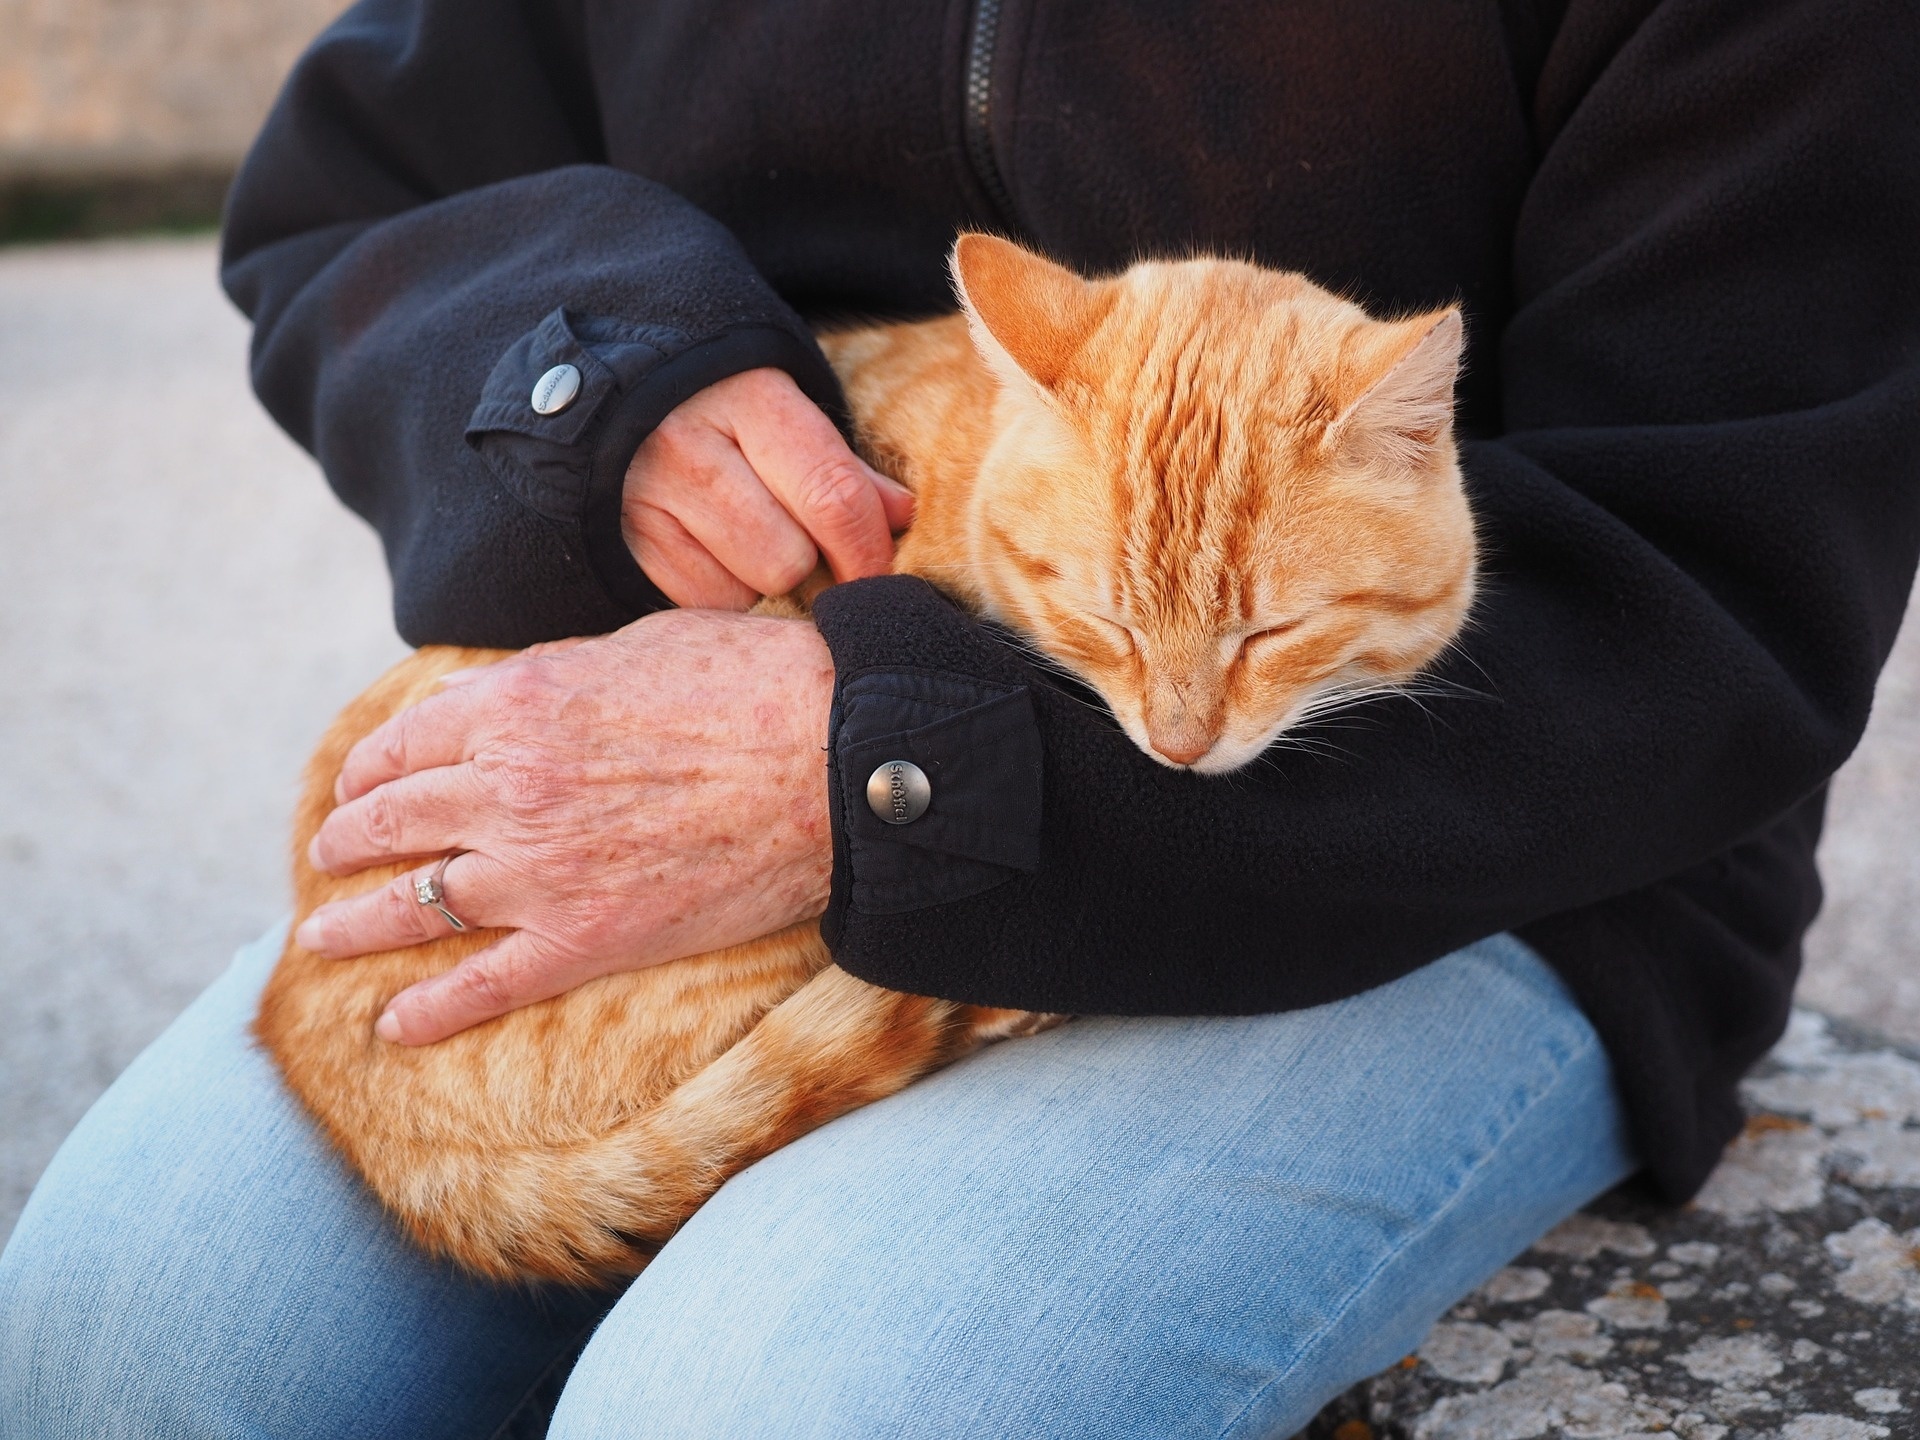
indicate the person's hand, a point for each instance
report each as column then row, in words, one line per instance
column 655, row 793
column 742, row 489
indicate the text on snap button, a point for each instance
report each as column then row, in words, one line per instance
column 554, row 391
column 899, row 792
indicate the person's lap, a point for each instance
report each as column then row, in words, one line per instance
column 196, row 1262
column 1123, row 1227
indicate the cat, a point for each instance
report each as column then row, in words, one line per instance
column 1217, row 494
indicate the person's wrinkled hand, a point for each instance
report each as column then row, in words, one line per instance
column 744, row 487
column 623, row 801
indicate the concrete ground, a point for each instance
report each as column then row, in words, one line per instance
column 183, row 606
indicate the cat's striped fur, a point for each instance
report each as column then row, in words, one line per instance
column 1216, row 493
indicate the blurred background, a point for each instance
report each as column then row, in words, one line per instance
column 125, row 114
column 183, row 605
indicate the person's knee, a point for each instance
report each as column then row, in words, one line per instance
column 80, row 1334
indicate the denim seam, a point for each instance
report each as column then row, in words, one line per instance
column 571, row 1348
column 1565, row 1062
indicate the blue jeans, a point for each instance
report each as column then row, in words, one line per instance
column 1159, row 1228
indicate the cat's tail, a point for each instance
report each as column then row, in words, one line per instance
column 598, row 1209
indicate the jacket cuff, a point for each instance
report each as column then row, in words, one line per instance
column 916, row 680
column 570, row 466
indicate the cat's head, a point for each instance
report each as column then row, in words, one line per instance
column 1224, row 496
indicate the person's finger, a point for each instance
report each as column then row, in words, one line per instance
column 829, row 490
column 680, row 564
column 696, row 472
column 392, row 916
column 518, row 971
column 549, row 647
column 897, row 500
column 741, row 524
column 544, row 647
column 433, row 733
column 425, row 813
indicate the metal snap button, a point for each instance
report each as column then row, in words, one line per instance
column 555, row 390
column 899, row 792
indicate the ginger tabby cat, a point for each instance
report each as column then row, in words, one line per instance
column 1217, row 494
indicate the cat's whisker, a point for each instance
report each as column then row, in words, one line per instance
column 1052, row 666
column 1456, row 649
column 1325, row 751
column 1070, row 692
column 1318, row 748
column 1417, row 691
column 1314, row 730
column 1335, row 701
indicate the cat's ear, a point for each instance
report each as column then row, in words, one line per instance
column 1404, row 407
column 1029, row 316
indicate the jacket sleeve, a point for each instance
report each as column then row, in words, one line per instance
column 421, row 232
column 1700, row 523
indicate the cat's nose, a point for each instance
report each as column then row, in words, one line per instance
column 1177, row 729
column 1182, row 744
column 1181, row 751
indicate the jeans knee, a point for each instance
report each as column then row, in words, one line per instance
column 68, row 1351
column 111, row 1327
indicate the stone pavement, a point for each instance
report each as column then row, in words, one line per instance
column 1784, row 1304
column 182, row 607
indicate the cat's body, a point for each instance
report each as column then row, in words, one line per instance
column 1215, row 493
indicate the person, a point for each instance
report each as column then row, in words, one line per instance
column 1356, row 1027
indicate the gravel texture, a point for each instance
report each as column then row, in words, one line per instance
column 183, row 605
column 1784, row 1304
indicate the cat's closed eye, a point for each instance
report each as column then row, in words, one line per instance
column 1249, row 641
column 1277, row 629
column 1122, row 636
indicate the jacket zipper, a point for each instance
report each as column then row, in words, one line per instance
column 978, row 109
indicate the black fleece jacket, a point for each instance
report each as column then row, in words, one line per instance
column 1687, row 236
